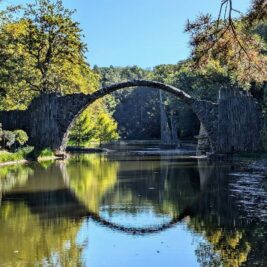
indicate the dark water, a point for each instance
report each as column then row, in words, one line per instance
column 121, row 210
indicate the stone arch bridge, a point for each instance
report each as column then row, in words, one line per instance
column 232, row 124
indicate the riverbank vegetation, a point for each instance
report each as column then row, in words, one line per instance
column 12, row 145
column 21, row 154
column 42, row 51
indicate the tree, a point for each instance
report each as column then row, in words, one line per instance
column 230, row 42
column 106, row 128
column 94, row 124
column 83, row 130
column 42, row 51
column 10, row 139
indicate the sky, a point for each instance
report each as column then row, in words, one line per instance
column 138, row 32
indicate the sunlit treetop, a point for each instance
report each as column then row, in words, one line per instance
column 42, row 51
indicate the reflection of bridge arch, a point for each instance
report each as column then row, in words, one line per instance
column 43, row 201
column 88, row 212
column 115, row 226
column 139, row 230
column 77, row 210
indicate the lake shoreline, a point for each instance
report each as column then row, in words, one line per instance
column 254, row 166
column 26, row 161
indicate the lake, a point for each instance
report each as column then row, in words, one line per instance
column 122, row 209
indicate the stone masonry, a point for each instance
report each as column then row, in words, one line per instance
column 233, row 124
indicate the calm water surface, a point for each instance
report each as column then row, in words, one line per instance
column 120, row 210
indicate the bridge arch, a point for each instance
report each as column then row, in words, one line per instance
column 197, row 106
column 50, row 117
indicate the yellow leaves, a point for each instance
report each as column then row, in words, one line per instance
column 43, row 52
column 234, row 239
column 216, row 236
column 212, row 66
column 16, row 29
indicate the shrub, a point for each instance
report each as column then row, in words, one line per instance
column 12, row 139
column 21, row 154
column 37, row 154
column 46, row 153
column 21, row 137
column 8, row 139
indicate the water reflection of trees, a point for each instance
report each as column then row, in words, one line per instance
column 15, row 175
column 26, row 237
column 232, row 239
column 90, row 178
column 169, row 187
column 124, row 185
column 28, row 241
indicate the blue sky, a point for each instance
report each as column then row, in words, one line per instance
column 138, row 32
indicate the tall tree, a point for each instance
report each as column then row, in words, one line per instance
column 42, row 51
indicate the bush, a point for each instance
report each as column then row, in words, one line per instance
column 21, row 154
column 37, row 154
column 8, row 139
column 46, row 153
column 21, row 138
column 12, row 139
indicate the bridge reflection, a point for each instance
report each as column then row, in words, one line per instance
column 63, row 190
column 105, row 188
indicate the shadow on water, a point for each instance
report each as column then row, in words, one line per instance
column 44, row 206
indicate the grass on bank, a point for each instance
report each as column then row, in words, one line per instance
column 24, row 154
column 21, row 154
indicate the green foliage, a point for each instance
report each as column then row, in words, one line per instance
column 21, row 154
column 46, row 153
column 83, row 129
column 21, row 137
column 12, row 139
column 106, row 129
column 36, row 154
column 94, row 124
column 8, row 138
column 41, row 51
